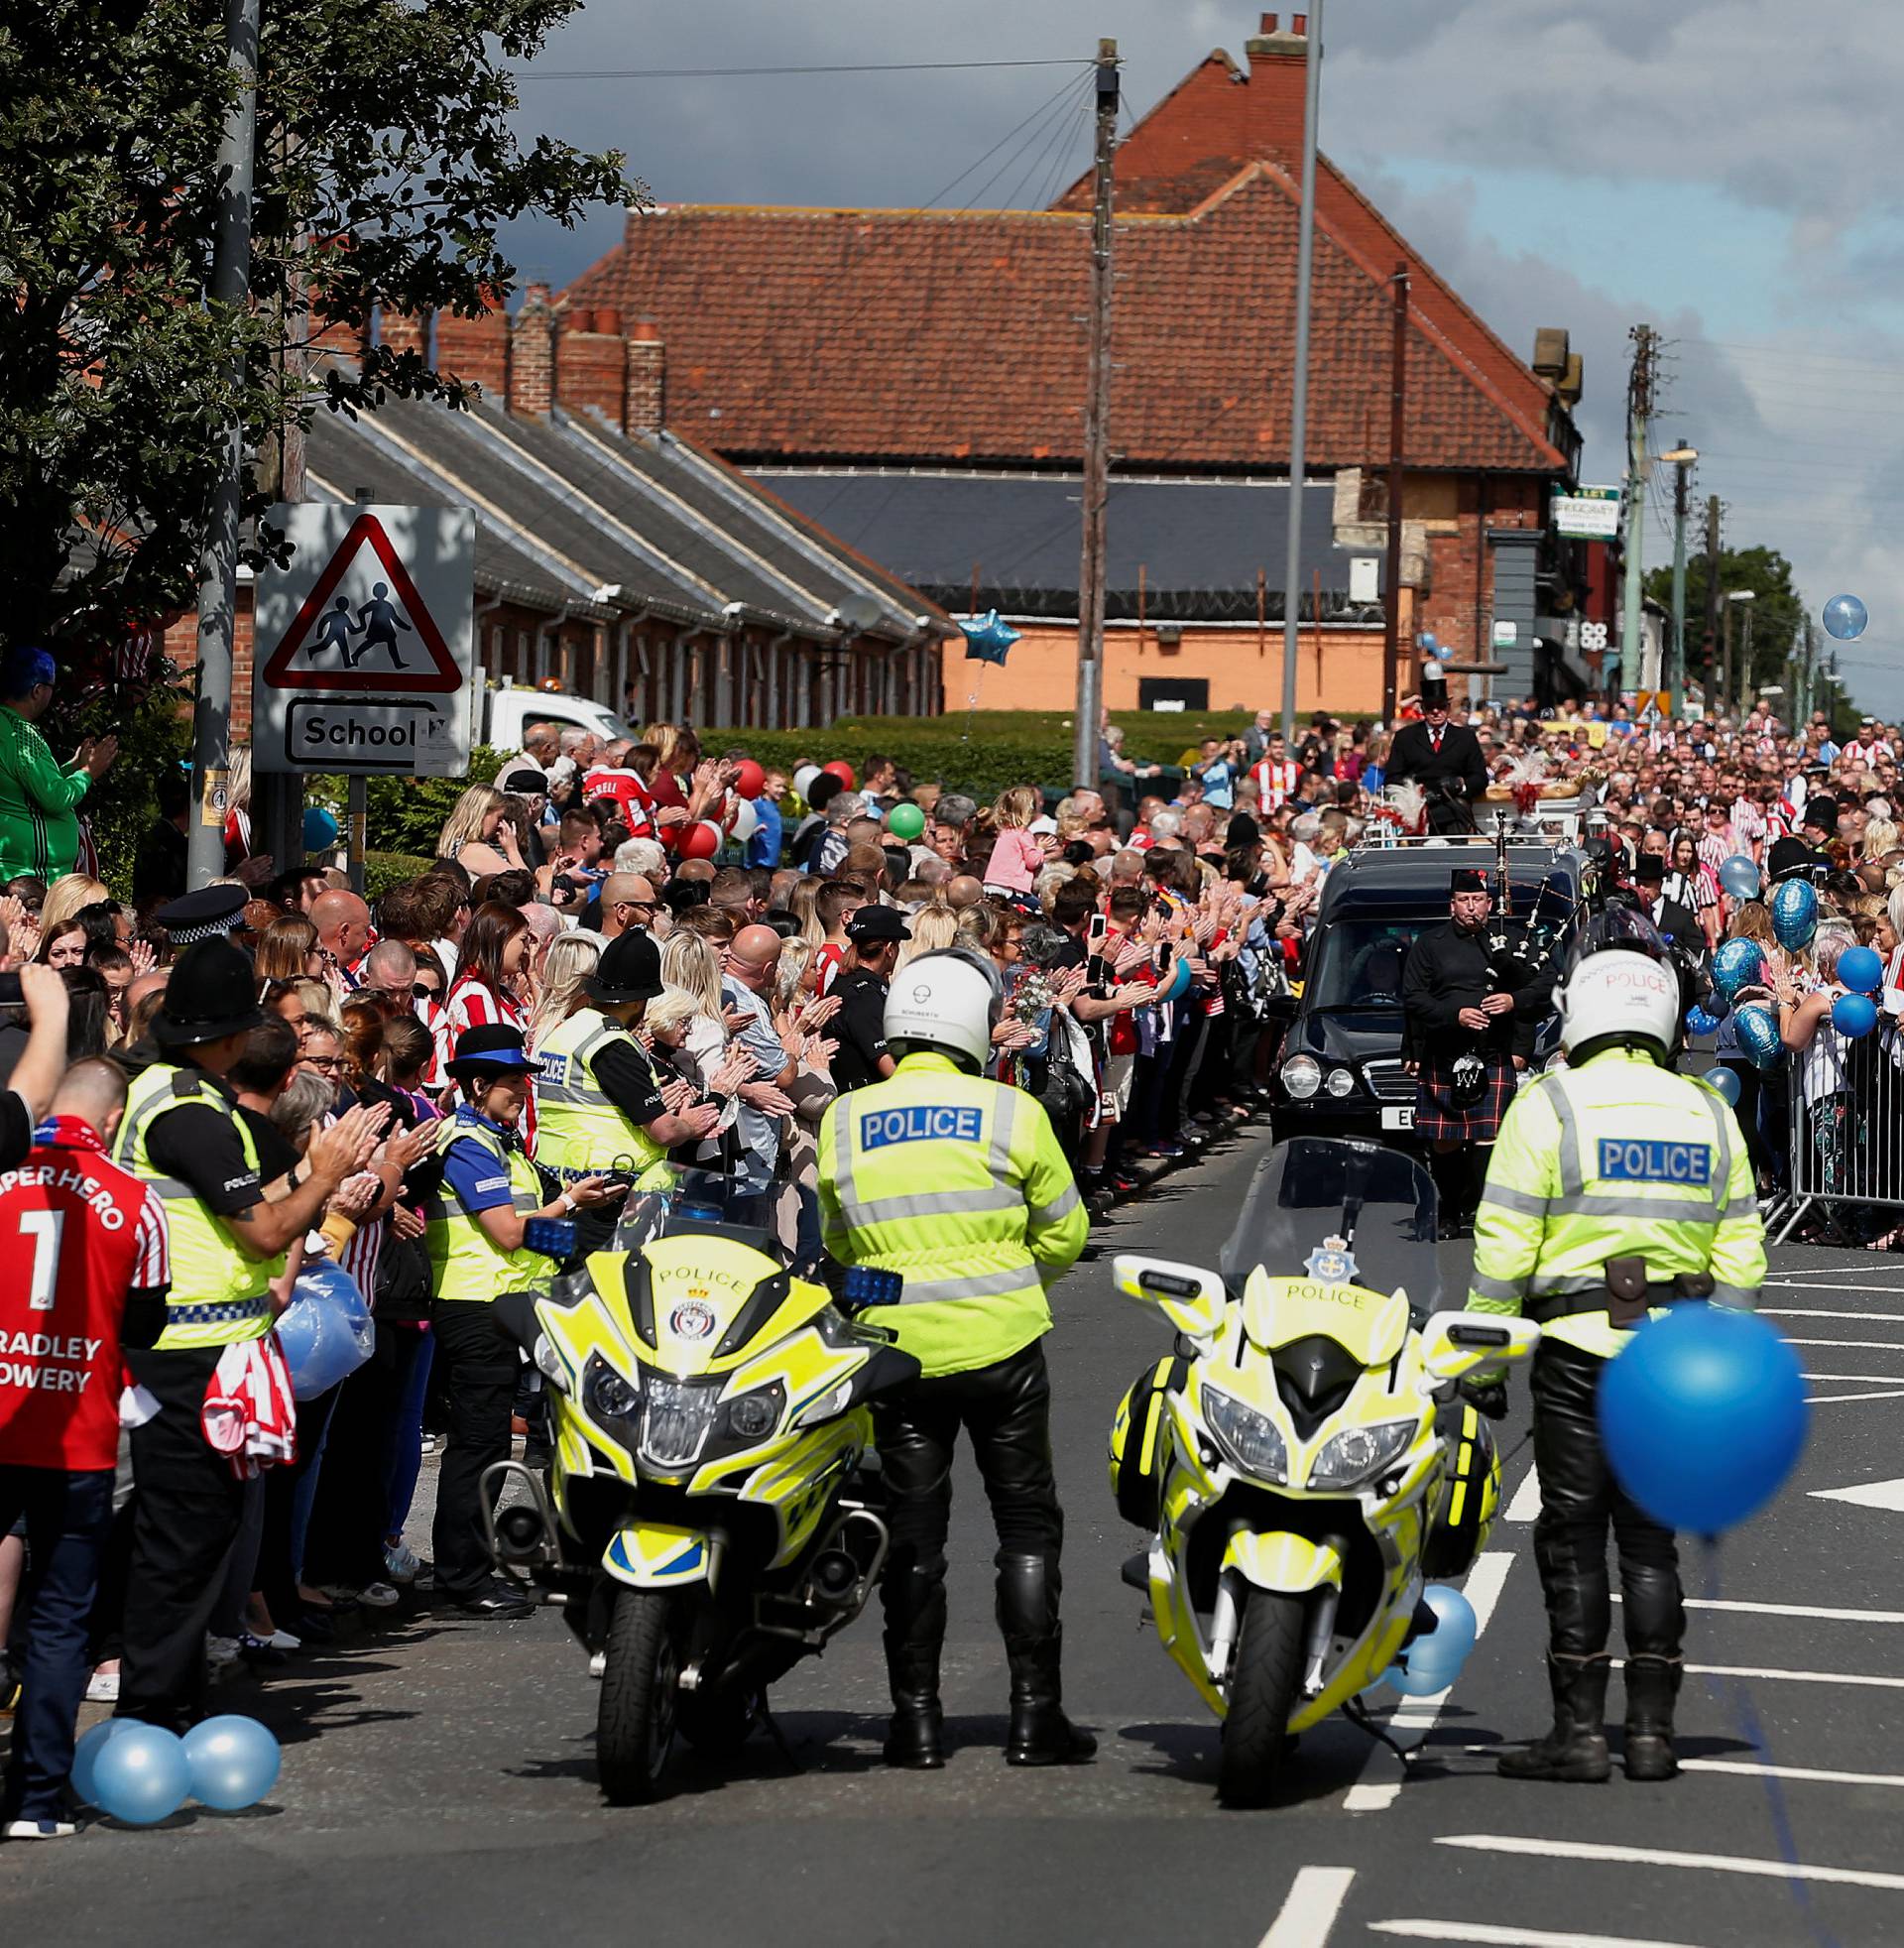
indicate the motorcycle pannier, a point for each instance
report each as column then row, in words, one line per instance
column 1137, row 1440
column 1469, row 1494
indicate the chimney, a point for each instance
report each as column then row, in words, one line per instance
column 532, row 358
column 647, row 377
column 1276, row 44
column 1279, row 80
column 476, row 351
column 402, row 331
column 591, row 363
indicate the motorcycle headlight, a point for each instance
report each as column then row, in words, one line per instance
column 1342, row 1082
column 833, row 1400
column 608, row 1395
column 1302, row 1076
column 1252, row 1440
column 752, row 1416
column 679, row 1416
column 549, row 1363
column 1358, row 1454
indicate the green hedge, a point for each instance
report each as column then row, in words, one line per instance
column 383, row 870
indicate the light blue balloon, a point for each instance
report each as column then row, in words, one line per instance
column 1699, row 1021
column 140, row 1774
column 233, row 1761
column 1737, row 964
column 1862, row 969
column 1456, row 1626
column 1725, row 1082
column 1740, row 877
column 320, row 829
column 1420, row 1680
column 1845, row 617
column 87, row 1752
column 1759, row 1036
column 1795, row 914
column 1854, row 1016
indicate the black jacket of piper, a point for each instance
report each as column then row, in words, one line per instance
column 1450, row 969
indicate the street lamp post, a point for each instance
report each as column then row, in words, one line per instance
column 1681, row 460
column 1745, row 597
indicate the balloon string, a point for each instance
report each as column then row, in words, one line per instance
column 972, row 703
column 1753, row 1733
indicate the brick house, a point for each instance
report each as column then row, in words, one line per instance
column 915, row 379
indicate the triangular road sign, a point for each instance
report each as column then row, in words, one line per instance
column 1887, row 1495
column 378, row 622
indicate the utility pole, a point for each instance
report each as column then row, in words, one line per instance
column 1639, row 410
column 1391, row 606
column 1725, row 679
column 1299, row 405
column 1097, row 434
column 1712, row 599
column 1681, row 459
column 218, row 563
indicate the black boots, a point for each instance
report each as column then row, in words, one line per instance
column 1040, row 1734
column 1652, row 1684
column 1575, row 1751
column 914, row 1634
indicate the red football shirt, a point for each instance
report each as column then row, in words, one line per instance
column 77, row 1236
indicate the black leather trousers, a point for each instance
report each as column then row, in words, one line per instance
column 1578, row 1497
column 1006, row 1410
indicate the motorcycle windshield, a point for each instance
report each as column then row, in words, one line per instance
column 1319, row 1198
column 697, row 1200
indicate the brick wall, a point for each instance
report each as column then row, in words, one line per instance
column 531, row 370
column 591, row 363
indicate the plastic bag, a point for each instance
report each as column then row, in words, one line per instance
column 325, row 1331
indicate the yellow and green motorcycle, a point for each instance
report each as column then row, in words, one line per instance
column 705, row 1514
column 1303, row 1459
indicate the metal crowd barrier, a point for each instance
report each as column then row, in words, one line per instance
column 1844, row 1150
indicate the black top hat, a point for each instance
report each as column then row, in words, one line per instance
column 493, row 1049
column 872, row 924
column 1649, row 869
column 630, row 969
column 208, row 915
column 212, row 993
column 1243, row 830
column 1467, row 878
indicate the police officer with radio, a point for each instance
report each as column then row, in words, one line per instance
column 957, row 1183
column 1616, row 1187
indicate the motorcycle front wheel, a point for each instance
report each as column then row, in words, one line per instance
column 1263, row 1693
column 640, row 1695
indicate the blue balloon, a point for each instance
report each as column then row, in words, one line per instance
column 1854, row 1016
column 1862, row 969
column 140, row 1774
column 1737, row 964
column 1740, row 877
column 1759, row 1034
column 1178, row 985
column 320, row 829
column 1845, row 617
column 1795, row 914
column 1725, row 1082
column 87, row 1752
column 1418, row 1681
column 1456, row 1626
column 1698, row 1021
column 233, row 1761
column 1703, row 1417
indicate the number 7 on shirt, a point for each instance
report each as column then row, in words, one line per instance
column 46, row 1229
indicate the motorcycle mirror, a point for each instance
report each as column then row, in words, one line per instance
column 1192, row 1300
column 1456, row 1344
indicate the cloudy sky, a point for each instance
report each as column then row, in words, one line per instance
column 1724, row 170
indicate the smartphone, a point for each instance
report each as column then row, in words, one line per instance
column 1097, row 931
column 1166, row 953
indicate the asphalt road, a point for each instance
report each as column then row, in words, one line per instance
column 437, row 1780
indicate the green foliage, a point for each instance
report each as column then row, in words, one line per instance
column 1777, row 616
column 155, row 734
column 386, row 163
column 383, row 870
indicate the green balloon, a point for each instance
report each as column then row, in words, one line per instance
column 906, row 821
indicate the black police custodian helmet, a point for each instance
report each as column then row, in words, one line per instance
column 630, row 969
column 212, row 993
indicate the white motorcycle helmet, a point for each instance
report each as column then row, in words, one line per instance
column 1618, row 996
column 948, row 1000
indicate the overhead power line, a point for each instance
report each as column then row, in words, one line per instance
column 817, row 68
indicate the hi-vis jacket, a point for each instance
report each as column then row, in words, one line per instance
column 1615, row 1159
column 958, row 1185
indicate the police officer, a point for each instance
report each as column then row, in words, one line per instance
column 1616, row 1187
column 597, row 1102
column 474, row 1219
column 183, row 1135
column 958, row 1185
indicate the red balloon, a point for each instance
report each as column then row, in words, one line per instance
column 841, row 770
column 749, row 779
column 700, row 840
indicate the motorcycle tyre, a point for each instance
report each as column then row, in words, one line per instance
column 717, row 1728
column 1263, row 1693
column 636, row 1720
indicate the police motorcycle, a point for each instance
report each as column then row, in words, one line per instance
column 705, row 1516
column 1303, row 1460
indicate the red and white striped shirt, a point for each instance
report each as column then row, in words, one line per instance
column 1275, row 783
column 474, row 1004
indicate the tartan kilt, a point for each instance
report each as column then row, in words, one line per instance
column 1440, row 1119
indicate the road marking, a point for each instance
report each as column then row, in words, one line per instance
column 1483, row 1591
column 1310, row 1911
column 1767, row 1870
column 1831, row 1281
column 1753, row 1769
column 1812, row 1610
column 1485, row 1933
column 1877, row 1379
column 1810, row 1312
column 1526, row 1503
column 1886, row 1494
column 1831, row 1399
column 1793, row 1677
column 1853, row 1345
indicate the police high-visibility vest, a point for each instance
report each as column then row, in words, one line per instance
column 958, row 1185
column 218, row 1295
column 464, row 1262
column 579, row 1130
column 1617, row 1158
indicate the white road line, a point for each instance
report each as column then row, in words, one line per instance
column 1811, row 1312
column 1767, row 1870
column 1852, row 1345
column 1526, row 1503
column 1827, row 1282
column 1811, row 1610
column 1830, row 1400
column 1752, row 1769
column 1482, row 1589
column 1311, row 1909
column 1877, row 1379
column 1795, row 1676
column 1490, row 1936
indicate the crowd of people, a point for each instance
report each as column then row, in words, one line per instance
column 634, row 956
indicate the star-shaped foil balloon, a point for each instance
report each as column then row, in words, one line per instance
column 988, row 637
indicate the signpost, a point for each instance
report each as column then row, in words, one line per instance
column 1588, row 514
column 364, row 650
